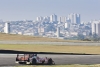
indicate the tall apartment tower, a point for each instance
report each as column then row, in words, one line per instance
column 78, row 19
column 67, row 25
column 93, row 25
column 53, row 18
column 7, row 28
column 58, row 31
column 96, row 28
column 39, row 18
column 75, row 18
column 62, row 19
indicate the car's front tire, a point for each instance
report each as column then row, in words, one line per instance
column 33, row 61
column 50, row 61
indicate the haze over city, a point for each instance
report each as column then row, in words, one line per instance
column 30, row 9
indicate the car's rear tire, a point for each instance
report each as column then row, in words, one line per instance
column 33, row 61
column 43, row 62
column 50, row 61
column 17, row 59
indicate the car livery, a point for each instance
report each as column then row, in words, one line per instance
column 33, row 59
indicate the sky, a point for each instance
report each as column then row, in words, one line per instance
column 30, row 9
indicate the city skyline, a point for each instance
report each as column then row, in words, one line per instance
column 30, row 9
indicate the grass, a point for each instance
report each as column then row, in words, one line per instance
column 45, row 48
column 76, row 65
column 53, row 48
column 15, row 37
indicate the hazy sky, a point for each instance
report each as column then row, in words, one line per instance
column 30, row 9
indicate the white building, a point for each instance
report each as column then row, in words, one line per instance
column 75, row 18
column 39, row 18
column 93, row 25
column 7, row 28
column 62, row 19
column 67, row 25
column 41, row 30
column 96, row 28
column 58, row 31
column 53, row 18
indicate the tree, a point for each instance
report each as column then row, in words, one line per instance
column 80, row 36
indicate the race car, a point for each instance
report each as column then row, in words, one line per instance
column 33, row 59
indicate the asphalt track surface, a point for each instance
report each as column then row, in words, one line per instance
column 9, row 60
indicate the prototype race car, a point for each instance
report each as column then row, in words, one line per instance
column 33, row 59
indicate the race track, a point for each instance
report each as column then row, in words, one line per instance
column 9, row 60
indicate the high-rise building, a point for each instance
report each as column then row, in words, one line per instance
column 75, row 18
column 47, row 19
column 78, row 19
column 62, row 19
column 39, row 18
column 96, row 28
column 53, row 18
column 58, row 31
column 7, row 28
column 67, row 25
column 93, row 25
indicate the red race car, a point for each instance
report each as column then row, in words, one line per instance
column 33, row 59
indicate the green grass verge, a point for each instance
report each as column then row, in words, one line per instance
column 52, row 48
column 16, row 37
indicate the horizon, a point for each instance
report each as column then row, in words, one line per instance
column 14, row 10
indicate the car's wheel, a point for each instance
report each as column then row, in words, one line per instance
column 33, row 61
column 16, row 59
column 28, row 60
column 50, row 61
column 43, row 62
